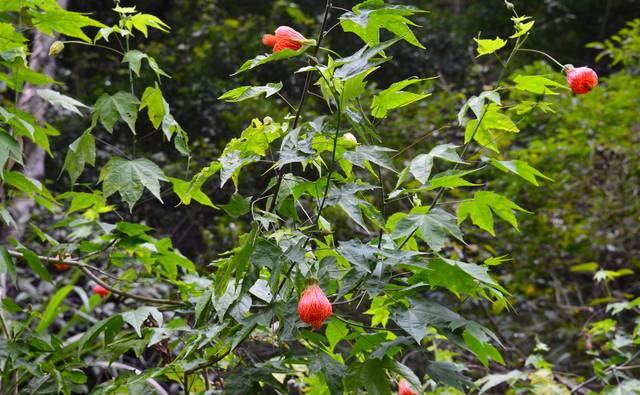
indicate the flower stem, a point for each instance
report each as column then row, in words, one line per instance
column 307, row 82
column 542, row 53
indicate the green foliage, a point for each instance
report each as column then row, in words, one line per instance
column 309, row 200
column 130, row 177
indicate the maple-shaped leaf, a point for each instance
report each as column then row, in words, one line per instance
column 130, row 177
column 369, row 17
column 64, row 22
column 482, row 207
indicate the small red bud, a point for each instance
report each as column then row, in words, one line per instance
column 61, row 266
column 581, row 79
column 404, row 388
column 314, row 307
column 100, row 290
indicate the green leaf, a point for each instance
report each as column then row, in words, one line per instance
column 134, row 58
column 256, row 138
column 369, row 17
column 232, row 163
column 137, row 317
column 130, row 177
column 9, row 150
column 405, row 372
column 394, row 97
column 266, row 58
column 249, row 92
column 477, row 104
column 373, row 378
column 422, row 164
column 154, row 102
column 478, row 343
column 523, row 169
column 521, row 25
column 110, row 324
column 35, row 264
column 537, row 84
column 424, row 313
column 336, row 331
column 57, row 99
column 238, row 264
column 120, row 106
column 362, row 61
column 6, row 217
column 448, row 373
column 64, row 22
column 585, row 267
column 489, row 131
column 370, row 153
column 51, row 311
column 332, row 370
column 29, row 186
column 81, row 152
column 237, row 206
column 493, row 380
column 10, row 5
column 6, row 263
column 460, row 277
column 186, row 193
column 144, row 21
column 482, row 207
column 432, row 227
column 486, row 47
column 345, row 198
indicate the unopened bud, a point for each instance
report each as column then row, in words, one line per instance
column 56, row 48
column 350, row 138
column 509, row 5
column 267, row 120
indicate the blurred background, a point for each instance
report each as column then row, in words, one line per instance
column 577, row 252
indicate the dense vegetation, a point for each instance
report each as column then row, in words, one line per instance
column 421, row 197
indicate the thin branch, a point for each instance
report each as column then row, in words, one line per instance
column 475, row 130
column 303, row 98
column 86, row 269
column 119, row 365
column 606, row 371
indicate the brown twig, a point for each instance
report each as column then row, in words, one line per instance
column 86, row 269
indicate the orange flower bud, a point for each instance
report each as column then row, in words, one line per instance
column 314, row 307
column 285, row 37
column 404, row 388
column 581, row 79
column 100, row 290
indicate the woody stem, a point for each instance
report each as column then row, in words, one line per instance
column 303, row 98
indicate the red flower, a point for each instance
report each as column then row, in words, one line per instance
column 314, row 307
column 404, row 388
column 100, row 290
column 581, row 79
column 285, row 37
column 61, row 266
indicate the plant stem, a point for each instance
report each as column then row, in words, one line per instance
column 307, row 82
column 94, row 45
column 324, row 195
column 542, row 53
column 16, row 95
column 465, row 147
column 86, row 269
